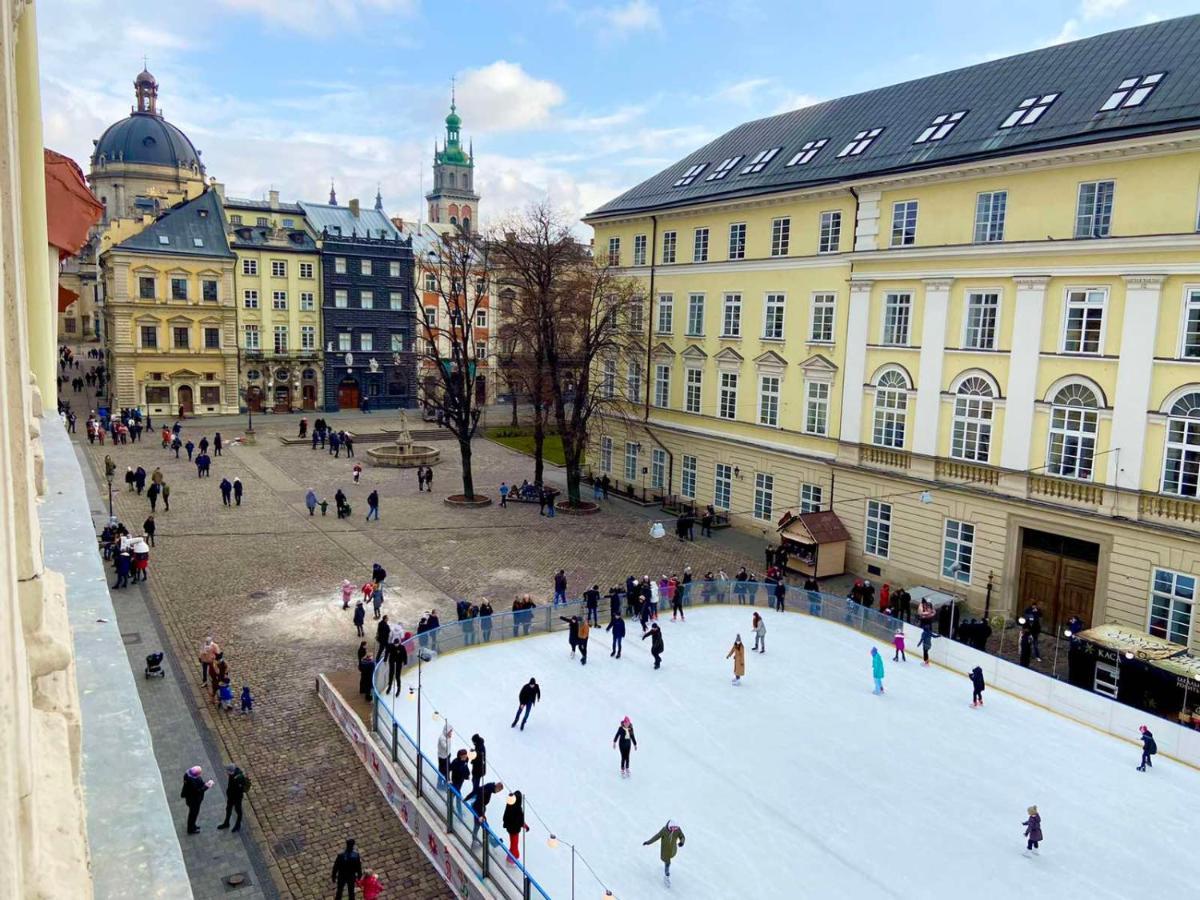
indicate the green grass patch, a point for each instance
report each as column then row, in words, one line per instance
column 521, row 440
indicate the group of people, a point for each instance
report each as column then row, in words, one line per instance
column 529, row 493
column 128, row 553
column 214, row 674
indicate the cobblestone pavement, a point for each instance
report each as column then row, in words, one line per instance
column 264, row 579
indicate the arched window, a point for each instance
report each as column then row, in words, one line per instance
column 891, row 409
column 454, row 220
column 1074, row 418
column 972, row 435
column 1181, row 468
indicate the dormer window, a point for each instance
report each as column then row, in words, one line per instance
column 807, row 152
column 1030, row 110
column 940, row 127
column 163, row 239
column 723, row 169
column 860, row 142
column 690, row 175
column 759, row 161
column 197, row 242
column 1132, row 92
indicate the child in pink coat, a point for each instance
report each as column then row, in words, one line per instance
column 898, row 643
column 347, row 593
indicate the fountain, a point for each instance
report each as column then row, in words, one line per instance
column 403, row 454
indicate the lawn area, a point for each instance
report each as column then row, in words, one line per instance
column 519, row 439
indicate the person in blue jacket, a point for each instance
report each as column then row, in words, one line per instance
column 617, row 627
column 877, row 670
column 977, row 686
column 1149, row 748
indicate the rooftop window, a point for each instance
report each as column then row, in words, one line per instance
column 163, row 239
column 1030, row 110
column 197, row 242
column 940, row 127
column 690, row 175
column 1132, row 92
column 807, row 152
column 723, row 169
column 759, row 161
column 860, row 142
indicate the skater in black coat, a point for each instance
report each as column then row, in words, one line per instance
column 624, row 740
column 366, row 668
column 360, row 616
column 478, row 800
column 591, row 598
column 977, row 686
column 397, row 659
column 617, row 627
column 460, row 773
column 514, row 824
column 479, row 763
column 572, row 632
column 614, row 602
column 1149, row 748
column 530, row 694
column 656, row 644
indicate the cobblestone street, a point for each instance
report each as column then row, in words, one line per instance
column 264, row 579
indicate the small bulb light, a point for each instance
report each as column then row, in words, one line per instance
column 552, row 842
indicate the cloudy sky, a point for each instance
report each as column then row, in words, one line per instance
column 570, row 99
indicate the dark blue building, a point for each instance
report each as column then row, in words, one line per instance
column 367, row 310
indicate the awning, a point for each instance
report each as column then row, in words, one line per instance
column 71, row 207
column 813, row 528
column 1164, row 655
column 65, row 298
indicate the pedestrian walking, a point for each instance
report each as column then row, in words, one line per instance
column 617, row 626
column 373, row 506
column 529, row 694
column 235, row 790
column 977, row 687
column 237, row 491
column 898, row 643
column 347, row 869
column 583, row 630
column 226, row 490
column 625, row 741
column 310, row 500
column 360, row 616
column 149, row 528
column 190, row 448
column 1033, row 831
column 560, row 587
column 760, row 632
column 194, row 788
column 247, row 700
column 366, row 673
column 166, row 497
column 738, row 652
column 656, row 644
column 503, row 495
column 877, row 670
column 514, row 825
column 1149, row 748
column 356, row 472
column 670, row 838
column 217, row 444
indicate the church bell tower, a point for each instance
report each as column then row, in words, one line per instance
column 453, row 200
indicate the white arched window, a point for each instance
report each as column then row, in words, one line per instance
column 1181, row 467
column 1074, row 417
column 972, row 435
column 891, row 409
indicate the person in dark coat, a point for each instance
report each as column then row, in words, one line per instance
column 670, row 838
column 360, row 616
column 530, row 694
column 479, row 762
column 217, row 443
column 1025, row 643
column 572, row 631
column 237, row 491
column 235, row 790
column 591, row 599
column 373, row 506
column 339, row 502
column 381, row 636
column 514, row 824
column 190, row 448
column 656, row 644
column 478, row 800
column 1149, row 748
column 977, row 687
column 347, row 869
column 139, row 479
column 614, row 602
column 397, row 659
column 617, row 627
column 366, row 669
column 625, row 740
column 226, row 490
column 148, row 527
column 123, row 566
column 194, row 788
column 1033, row 831
column 460, row 772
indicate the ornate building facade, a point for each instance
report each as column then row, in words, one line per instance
column 453, row 201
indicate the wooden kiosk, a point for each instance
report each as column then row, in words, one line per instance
column 815, row 542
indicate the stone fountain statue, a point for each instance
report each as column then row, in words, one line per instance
column 403, row 453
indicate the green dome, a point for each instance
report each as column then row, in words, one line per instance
column 453, row 120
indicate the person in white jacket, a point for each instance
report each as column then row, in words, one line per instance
column 443, row 754
column 760, row 633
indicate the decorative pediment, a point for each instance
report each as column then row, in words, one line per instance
column 180, row 322
column 182, row 375
column 144, row 320
column 770, row 361
column 818, row 368
column 212, row 320
column 209, row 273
column 694, row 353
column 146, row 270
column 663, row 350
column 178, row 272
column 729, row 360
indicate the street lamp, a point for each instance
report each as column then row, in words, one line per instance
column 552, row 843
column 1054, row 668
column 110, row 512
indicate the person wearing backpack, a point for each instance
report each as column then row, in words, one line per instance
column 235, row 790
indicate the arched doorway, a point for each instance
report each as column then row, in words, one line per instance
column 282, row 398
column 480, row 390
column 348, row 393
column 185, row 399
column 309, row 388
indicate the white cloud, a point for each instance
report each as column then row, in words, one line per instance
column 743, row 93
column 1069, row 32
column 621, row 117
column 504, row 97
column 636, row 15
column 1099, row 9
column 318, row 17
column 792, row 102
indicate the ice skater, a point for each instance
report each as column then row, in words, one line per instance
column 925, row 642
column 530, row 694
column 656, row 644
column 572, row 631
column 670, row 838
column 625, row 741
column 877, row 670
column 760, row 633
column 1149, row 748
column 478, row 757
column 898, row 643
column 617, row 627
column 581, row 640
column 738, row 652
column 1033, row 831
column 977, row 687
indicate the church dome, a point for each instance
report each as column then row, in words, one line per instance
column 145, row 137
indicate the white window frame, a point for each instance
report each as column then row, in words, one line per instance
column 282, row 338
column 774, row 316
column 822, row 324
column 1092, row 299
column 781, row 235
column 393, row 269
column 1029, row 110
column 975, row 328
column 991, row 212
column 252, row 336
column 737, row 240
column 1099, row 198
column 941, row 126
column 904, row 223
column 639, row 249
column 1074, row 429
column 665, row 314
column 249, row 266
column 1181, row 448
column 632, row 461
column 830, row 240
column 306, row 270
column 693, row 390
column 341, row 298
column 811, row 498
column 662, row 385
column 1165, row 586
column 606, row 452
column 690, row 174
column 308, row 301
column 764, row 496
column 816, row 407
column 860, row 142
column 366, row 341
column 345, row 341
column 608, row 379
column 1188, row 325
column 807, row 151
column 727, row 395
column 896, row 330
column 687, row 476
column 1133, row 91
column 722, row 171
column 395, row 299
column 249, row 299
column 339, row 265
column 658, row 468
column 366, row 299
column 974, row 416
column 889, row 420
column 700, row 238
column 279, row 268
column 695, row 316
column 633, row 380
column 958, row 550
column 759, row 161
column 308, row 337
column 731, row 316
column 770, row 388
column 723, row 486
column 670, row 247
column 614, row 251
column 365, row 267
column 877, row 532
column 279, row 300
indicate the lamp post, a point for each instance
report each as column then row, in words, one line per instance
column 416, row 695
column 110, row 512
column 552, row 842
column 1057, row 640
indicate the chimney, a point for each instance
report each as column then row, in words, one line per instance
column 219, row 187
column 398, row 222
column 354, row 207
column 273, row 199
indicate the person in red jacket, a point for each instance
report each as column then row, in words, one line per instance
column 370, row 885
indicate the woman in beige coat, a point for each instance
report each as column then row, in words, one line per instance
column 738, row 652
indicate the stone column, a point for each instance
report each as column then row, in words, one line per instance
column 1020, row 393
column 855, row 363
column 1135, row 369
column 929, row 379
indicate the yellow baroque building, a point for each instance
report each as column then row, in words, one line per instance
column 962, row 312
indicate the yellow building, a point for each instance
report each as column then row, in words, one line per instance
column 170, row 319
column 962, row 312
column 277, row 291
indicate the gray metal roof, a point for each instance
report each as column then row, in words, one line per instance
column 1083, row 74
column 146, row 138
column 256, row 237
column 182, row 225
column 339, row 221
column 264, row 205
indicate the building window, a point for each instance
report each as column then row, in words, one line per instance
column 891, row 410
column 212, row 338
column 727, row 400
column 279, row 268
column 279, row 299
column 897, row 310
column 1093, row 214
column 658, row 468
column 693, row 390
column 690, row 175
column 662, row 386
column 210, row 395
column 637, row 312
column 1190, row 348
column 726, row 166
column 606, row 448
column 341, row 298
column 307, row 301
column 737, row 241
column 666, row 311
column 768, row 400
column 983, row 311
column 904, row 223
column 179, row 288
column 831, row 232
column 235, row 220
column 687, row 476
column 816, row 408
column 1132, row 92
column 608, row 381
column 700, row 245
column 633, row 380
column 1171, row 599
column 1083, row 328
column 639, row 249
column 990, row 208
column 773, row 310
column 339, row 265
column 860, row 142
column 396, row 299
column 614, row 251
column 150, row 336
column 957, row 550
column 306, row 270
column 731, row 319
column 1029, row 110
column 164, row 239
column 781, row 234
column 723, row 486
column 879, row 528
column 670, row 239
column 695, row 319
column 1074, row 417
column 249, row 266
column 365, row 267
column 764, row 496
column 208, row 290
column 146, row 287
column 807, row 151
column 941, row 126
column 431, row 316
column 261, row 221
column 181, row 337
column 345, row 342
column 759, row 161
column 972, row 435
column 250, row 333
column 481, row 317
column 393, row 269
column 631, row 461
column 431, row 282
column 366, row 341
column 824, row 309
column 308, row 337
column 366, row 299
column 810, row 498
column 397, row 344
column 281, row 338
column 1181, row 467
column 250, row 299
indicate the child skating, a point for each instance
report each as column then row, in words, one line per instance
column 738, row 652
column 898, row 643
column 1149, row 748
column 670, row 838
column 760, row 633
column 877, row 670
column 925, row 642
column 624, row 740
column 1033, row 831
column 977, row 687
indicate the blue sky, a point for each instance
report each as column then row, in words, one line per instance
column 575, row 101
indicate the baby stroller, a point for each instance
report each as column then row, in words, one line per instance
column 154, row 667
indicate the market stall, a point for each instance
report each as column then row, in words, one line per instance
column 815, row 543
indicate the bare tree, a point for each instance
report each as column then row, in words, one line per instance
column 459, row 264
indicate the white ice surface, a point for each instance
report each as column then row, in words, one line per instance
column 799, row 782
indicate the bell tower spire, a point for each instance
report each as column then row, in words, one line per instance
column 145, row 91
column 453, row 201
column 332, row 194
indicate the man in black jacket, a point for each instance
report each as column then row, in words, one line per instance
column 460, row 774
column 478, row 800
column 382, row 631
column 194, row 788
column 347, row 869
column 656, row 644
column 530, row 694
column 397, row 658
column 591, row 598
column 235, row 790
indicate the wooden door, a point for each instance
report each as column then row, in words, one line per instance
column 1063, row 587
column 254, row 399
column 348, row 395
column 310, row 396
column 1077, row 596
column 185, row 399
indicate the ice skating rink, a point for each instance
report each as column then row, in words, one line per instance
column 799, row 783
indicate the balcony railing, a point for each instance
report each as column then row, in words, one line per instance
column 881, row 456
column 1173, row 509
column 1077, row 492
column 955, row 470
